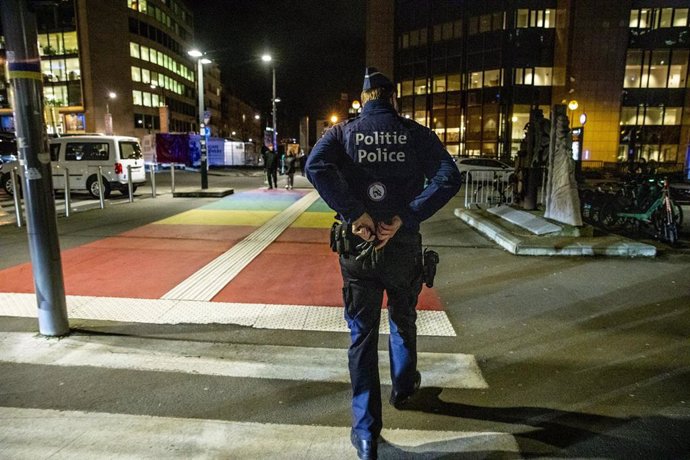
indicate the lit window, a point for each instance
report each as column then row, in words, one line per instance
column 542, row 76
column 439, row 84
column 492, row 78
column 678, row 69
column 406, row 88
column 475, row 80
column 136, row 74
column 145, row 76
column 633, row 68
column 522, row 18
column 420, row 86
column 666, row 16
column 672, row 116
column 134, row 50
column 634, row 19
column 680, row 18
column 645, row 18
column 136, row 97
column 454, row 82
column 144, row 53
column 147, row 99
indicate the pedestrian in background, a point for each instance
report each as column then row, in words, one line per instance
column 290, row 167
column 372, row 170
column 270, row 165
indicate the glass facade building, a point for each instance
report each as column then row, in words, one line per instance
column 472, row 71
column 134, row 49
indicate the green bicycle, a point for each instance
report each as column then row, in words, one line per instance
column 644, row 205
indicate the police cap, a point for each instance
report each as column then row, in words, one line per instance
column 374, row 79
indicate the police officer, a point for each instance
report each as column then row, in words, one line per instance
column 383, row 174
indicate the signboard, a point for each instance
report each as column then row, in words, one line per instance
column 577, row 143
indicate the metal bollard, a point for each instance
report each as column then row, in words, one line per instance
column 15, row 194
column 153, row 180
column 172, row 177
column 130, row 186
column 68, row 197
column 100, row 187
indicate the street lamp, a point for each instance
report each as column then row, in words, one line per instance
column 201, row 60
column 108, row 116
column 269, row 58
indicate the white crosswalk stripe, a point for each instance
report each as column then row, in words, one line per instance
column 100, row 435
column 446, row 370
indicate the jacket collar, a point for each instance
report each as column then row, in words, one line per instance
column 377, row 106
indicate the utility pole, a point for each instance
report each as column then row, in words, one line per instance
column 24, row 65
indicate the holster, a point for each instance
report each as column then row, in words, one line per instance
column 429, row 261
column 342, row 239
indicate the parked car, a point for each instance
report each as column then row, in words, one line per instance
column 482, row 169
column 82, row 156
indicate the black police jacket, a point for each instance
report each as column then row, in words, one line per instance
column 385, row 165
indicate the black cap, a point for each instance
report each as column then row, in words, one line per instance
column 374, row 79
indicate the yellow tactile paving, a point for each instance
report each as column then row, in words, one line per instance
column 314, row 220
column 215, row 217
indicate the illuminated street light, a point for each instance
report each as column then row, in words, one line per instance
column 112, row 95
column 201, row 60
column 573, row 105
column 334, row 119
column 274, row 100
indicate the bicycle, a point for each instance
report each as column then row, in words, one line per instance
column 641, row 204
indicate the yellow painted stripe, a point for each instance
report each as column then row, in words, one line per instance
column 215, row 217
column 314, row 220
column 25, row 74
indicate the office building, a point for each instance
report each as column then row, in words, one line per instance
column 123, row 62
column 472, row 71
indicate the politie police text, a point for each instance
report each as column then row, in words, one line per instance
column 379, row 139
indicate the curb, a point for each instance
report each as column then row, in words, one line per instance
column 610, row 246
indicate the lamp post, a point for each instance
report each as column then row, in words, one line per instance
column 269, row 58
column 108, row 116
column 201, row 60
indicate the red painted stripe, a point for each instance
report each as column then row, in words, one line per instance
column 298, row 274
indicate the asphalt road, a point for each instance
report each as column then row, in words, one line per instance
column 582, row 358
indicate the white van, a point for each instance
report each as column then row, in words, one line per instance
column 82, row 155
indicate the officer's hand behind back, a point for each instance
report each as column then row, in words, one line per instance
column 364, row 227
column 386, row 230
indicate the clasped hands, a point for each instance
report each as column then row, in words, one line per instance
column 380, row 233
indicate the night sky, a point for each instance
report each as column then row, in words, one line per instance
column 318, row 45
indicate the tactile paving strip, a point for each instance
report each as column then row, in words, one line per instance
column 209, row 280
column 260, row 316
